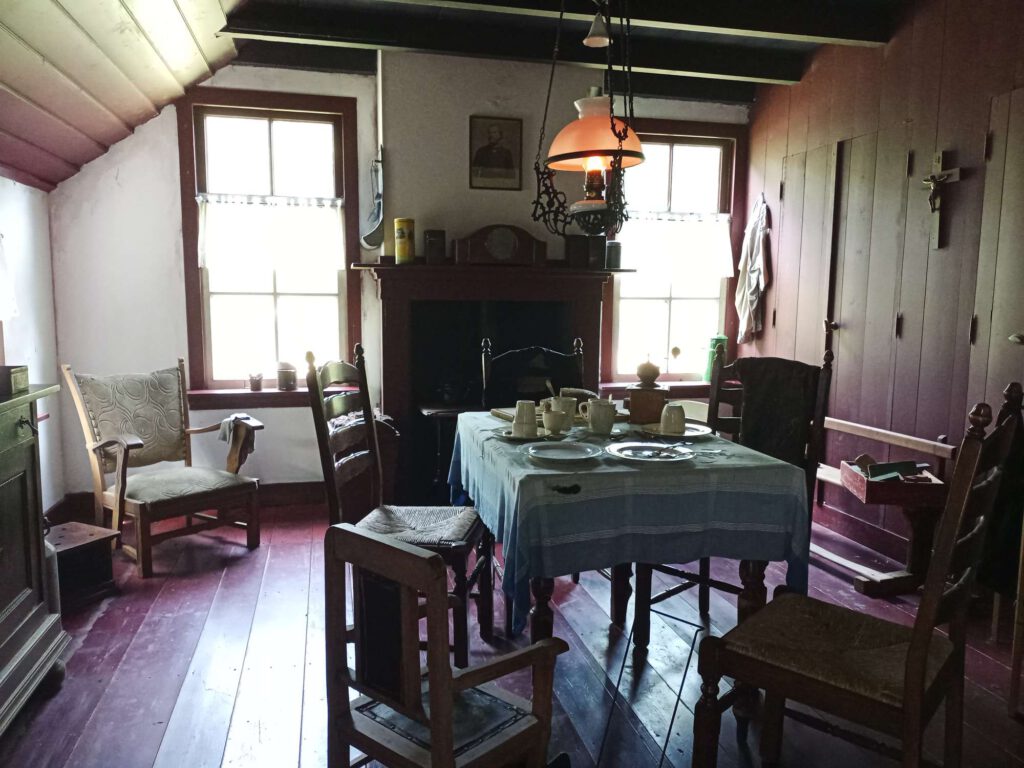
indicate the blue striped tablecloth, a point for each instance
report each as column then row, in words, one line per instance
column 553, row 521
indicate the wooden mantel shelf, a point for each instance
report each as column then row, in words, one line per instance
column 477, row 282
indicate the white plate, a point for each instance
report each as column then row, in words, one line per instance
column 649, row 452
column 505, row 433
column 562, row 452
column 692, row 430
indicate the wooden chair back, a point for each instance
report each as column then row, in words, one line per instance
column 523, row 374
column 999, row 568
column 792, row 427
column 345, row 446
column 387, row 579
column 947, row 590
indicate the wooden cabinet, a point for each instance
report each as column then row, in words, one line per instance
column 31, row 636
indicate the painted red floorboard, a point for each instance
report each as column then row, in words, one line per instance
column 219, row 661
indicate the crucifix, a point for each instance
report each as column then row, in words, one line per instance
column 935, row 182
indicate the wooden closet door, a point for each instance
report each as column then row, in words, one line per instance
column 998, row 354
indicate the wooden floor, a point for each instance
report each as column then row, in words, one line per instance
column 218, row 660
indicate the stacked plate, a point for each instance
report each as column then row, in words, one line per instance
column 561, row 453
column 650, row 453
column 692, row 431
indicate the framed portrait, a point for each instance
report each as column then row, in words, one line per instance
column 495, row 152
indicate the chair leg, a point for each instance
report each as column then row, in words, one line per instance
column 704, row 588
column 485, row 588
column 144, row 546
column 575, row 577
column 771, row 728
column 954, row 738
column 913, row 749
column 252, row 525
column 707, row 722
column 642, row 607
column 460, row 614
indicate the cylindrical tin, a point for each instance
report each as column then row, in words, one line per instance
column 405, row 241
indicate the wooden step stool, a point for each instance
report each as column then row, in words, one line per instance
column 83, row 561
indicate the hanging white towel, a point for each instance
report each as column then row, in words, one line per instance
column 752, row 281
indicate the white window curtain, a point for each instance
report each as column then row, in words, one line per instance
column 255, row 232
column 692, row 242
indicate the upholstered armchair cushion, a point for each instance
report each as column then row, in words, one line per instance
column 421, row 526
column 477, row 715
column 176, row 483
column 835, row 645
column 144, row 404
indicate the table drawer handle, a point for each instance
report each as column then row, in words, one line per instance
column 23, row 422
column 567, row 490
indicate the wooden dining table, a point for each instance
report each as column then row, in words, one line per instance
column 554, row 519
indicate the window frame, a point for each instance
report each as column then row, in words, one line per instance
column 191, row 109
column 734, row 140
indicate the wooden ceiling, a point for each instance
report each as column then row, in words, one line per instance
column 76, row 76
column 696, row 49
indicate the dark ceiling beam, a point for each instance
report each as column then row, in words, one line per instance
column 355, row 61
column 838, row 22
column 690, row 88
column 351, row 29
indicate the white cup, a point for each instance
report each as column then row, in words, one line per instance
column 553, row 421
column 567, row 405
column 673, row 419
column 600, row 415
column 525, row 423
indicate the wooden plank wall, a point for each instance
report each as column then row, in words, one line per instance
column 858, row 113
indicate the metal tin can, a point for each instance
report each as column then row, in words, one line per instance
column 405, row 241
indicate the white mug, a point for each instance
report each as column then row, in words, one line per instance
column 673, row 419
column 600, row 415
column 553, row 421
column 525, row 423
column 567, row 405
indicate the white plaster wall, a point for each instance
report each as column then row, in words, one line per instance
column 119, row 275
column 30, row 336
column 427, row 101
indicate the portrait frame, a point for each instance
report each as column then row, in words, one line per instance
column 495, row 152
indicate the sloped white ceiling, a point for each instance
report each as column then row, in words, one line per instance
column 78, row 75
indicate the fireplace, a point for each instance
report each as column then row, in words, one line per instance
column 432, row 321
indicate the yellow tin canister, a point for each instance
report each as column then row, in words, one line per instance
column 405, row 241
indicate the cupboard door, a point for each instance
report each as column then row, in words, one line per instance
column 997, row 360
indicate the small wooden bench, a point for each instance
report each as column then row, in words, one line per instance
column 920, row 502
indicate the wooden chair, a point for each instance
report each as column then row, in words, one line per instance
column 136, row 420
column 351, row 459
column 886, row 676
column 524, row 374
column 405, row 718
column 778, row 408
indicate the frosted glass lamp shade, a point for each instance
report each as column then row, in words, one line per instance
column 598, row 36
column 591, row 136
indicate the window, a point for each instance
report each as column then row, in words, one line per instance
column 678, row 241
column 268, row 235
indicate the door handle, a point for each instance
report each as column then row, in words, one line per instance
column 898, row 330
column 1016, row 338
column 831, row 325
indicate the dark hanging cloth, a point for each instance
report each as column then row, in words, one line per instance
column 999, row 560
column 778, row 405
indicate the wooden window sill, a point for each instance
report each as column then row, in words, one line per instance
column 677, row 390
column 223, row 399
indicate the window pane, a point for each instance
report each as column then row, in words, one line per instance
column 696, row 176
column 309, row 249
column 232, row 238
column 303, row 158
column 237, row 155
column 643, row 334
column 307, row 323
column 242, row 336
column 692, row 326
column 647, row 183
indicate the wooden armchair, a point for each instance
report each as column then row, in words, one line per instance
column 524, row 374
column 778, row 408
column 867, row 670
column 406, row 718
column 349, row 437
column 136, row 420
